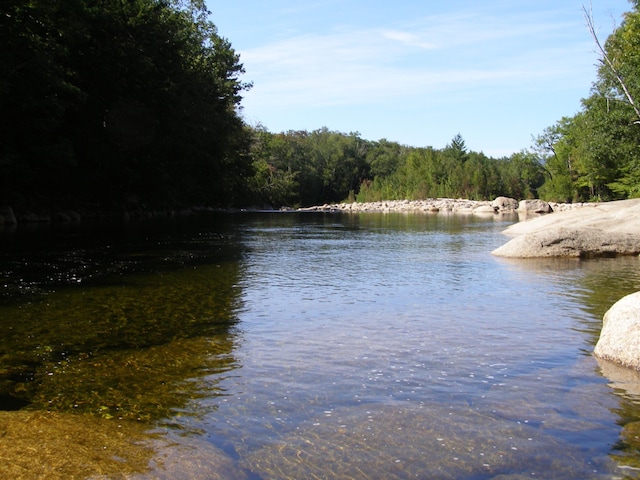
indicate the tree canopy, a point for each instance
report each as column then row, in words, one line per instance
column 105, row 102
column 323, row 166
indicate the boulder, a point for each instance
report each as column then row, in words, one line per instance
column 604, row 229
column 620, row 337
column 505, row 204
column 534, row 206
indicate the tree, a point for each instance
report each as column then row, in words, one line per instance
column 457, row 149
column 110, row 100
column 36, row 89
column 274, row 182
column 619, row 56
column 383, row 157
column 595, row 153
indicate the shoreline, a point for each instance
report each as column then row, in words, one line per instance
column 437, row 205
column 501, row 205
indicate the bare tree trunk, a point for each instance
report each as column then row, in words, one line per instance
column 588, row 15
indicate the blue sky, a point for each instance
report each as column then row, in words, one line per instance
column 416, row 71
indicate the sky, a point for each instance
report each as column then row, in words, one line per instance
column 417, row 72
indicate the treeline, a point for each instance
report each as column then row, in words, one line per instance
column 114, row 104
column 322, row 166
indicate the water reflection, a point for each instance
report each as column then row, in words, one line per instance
column 593, row 285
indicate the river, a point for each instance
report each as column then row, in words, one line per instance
column 307, row 345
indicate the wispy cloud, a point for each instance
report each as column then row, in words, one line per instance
column 428, row 56
column 415, row 71
column 407, row 38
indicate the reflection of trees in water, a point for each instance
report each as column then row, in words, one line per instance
column 139, row 347
column 595, row 284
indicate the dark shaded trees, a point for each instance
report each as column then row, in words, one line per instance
column 308, row 168
column 108, row 102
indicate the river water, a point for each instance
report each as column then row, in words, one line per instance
column 308, row 345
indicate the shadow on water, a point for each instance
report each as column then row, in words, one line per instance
column 107, row 332
column 593, row 284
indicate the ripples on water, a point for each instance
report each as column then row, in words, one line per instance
column 371, row 346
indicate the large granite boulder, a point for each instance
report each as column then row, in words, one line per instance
column 534, row 206
column 620, row 337
column 505, row 204
column 604, row 229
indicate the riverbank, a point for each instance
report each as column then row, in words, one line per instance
column 448, row 205
column 501, row 205
column 608, row 229
column 570, row 229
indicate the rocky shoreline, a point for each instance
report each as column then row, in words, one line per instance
column 9, row 218
column 606, row 230
column 450, row 205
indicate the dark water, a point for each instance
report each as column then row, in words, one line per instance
column 322, row 346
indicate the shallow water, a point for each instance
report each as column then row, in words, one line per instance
column 323, row 346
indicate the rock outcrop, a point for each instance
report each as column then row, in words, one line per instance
column 501, row 204
column 431, row 205
column 603, row 229
column 620, row 337
column 534, row 206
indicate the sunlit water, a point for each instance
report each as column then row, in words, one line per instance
column 371, row 346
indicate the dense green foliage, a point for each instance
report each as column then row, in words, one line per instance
column 111, row 103
column 323, row 166
column 595, row 155
column 300, row 167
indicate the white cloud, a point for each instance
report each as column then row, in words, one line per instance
column 409, row 39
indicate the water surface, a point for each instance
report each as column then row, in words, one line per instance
column 320, row 346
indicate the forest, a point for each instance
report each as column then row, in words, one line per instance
column 110, row 106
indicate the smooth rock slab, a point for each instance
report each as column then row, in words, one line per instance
column 620, row 337
column 604, row 229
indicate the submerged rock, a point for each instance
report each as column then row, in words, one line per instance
column 620, row 337
column 57, row 446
